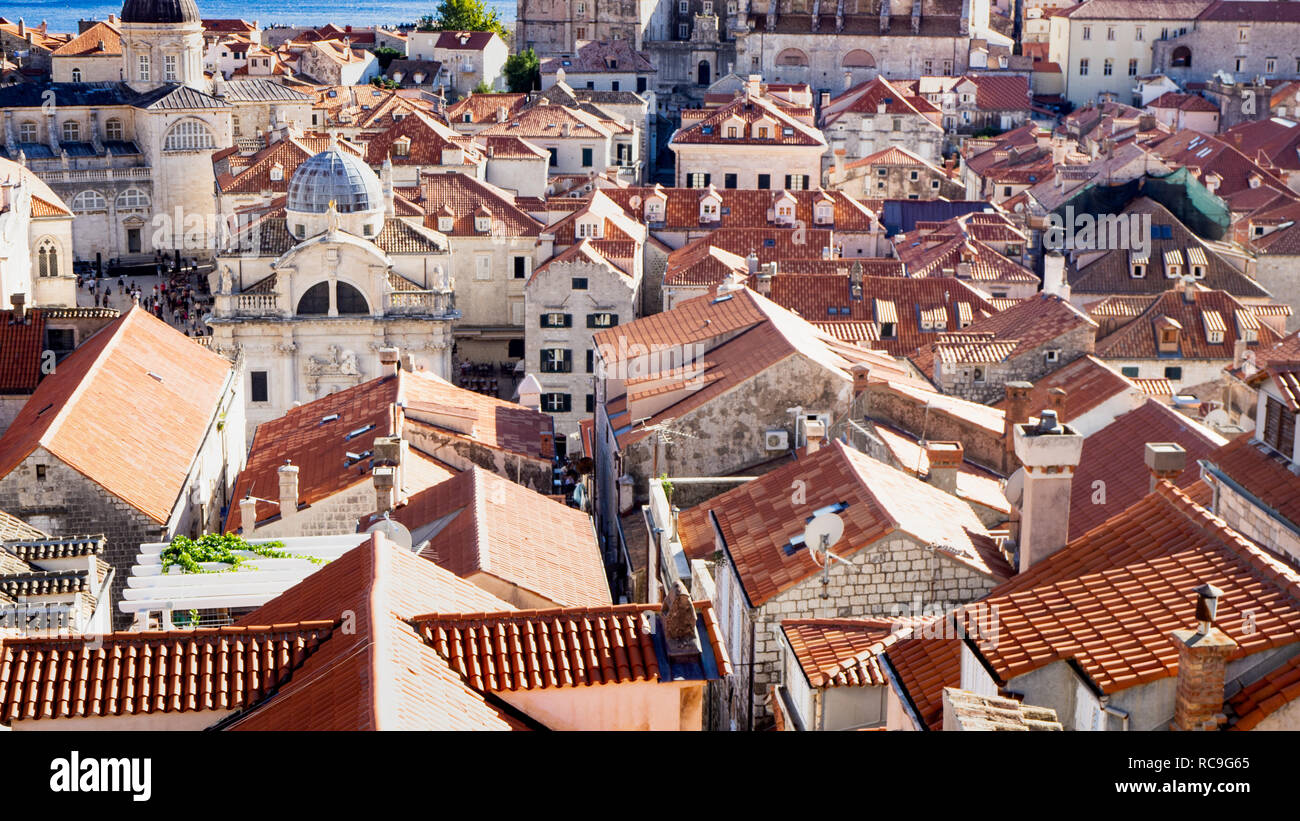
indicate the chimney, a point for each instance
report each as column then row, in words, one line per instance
column 530, row 393
column 388, row 357
column 388, row 452
column 1189, row 290
column 945, row 460
column 20, row 307
column 825, row 99
column 1056, row 402
column 407, row 362
column 248, row 515
column 1049, row 452
column 681, row 632
column 1165, row 460
column 1239, row 352
column 501, row 114
column 1202, row 659
column 288, row 489
column 385, row 479
column 751, row 262
column 815, row 434
column 764, row 284
column 861, row 379
column 1054, row 281
column 1017, row 411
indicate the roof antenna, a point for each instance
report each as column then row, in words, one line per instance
column 820, row 535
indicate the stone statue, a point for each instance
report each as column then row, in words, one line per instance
column 227, row 280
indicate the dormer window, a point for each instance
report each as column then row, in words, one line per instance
column 709, row 211
column 824, row 214
column 277, row 172
column 482, row 224
column 589, row 229
column 1214, row 327
column 445, row 223
column 1137, row 265
column 654, row 210
column 402, row 147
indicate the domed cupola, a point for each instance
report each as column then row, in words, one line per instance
column 160, row 11
column 340, row 177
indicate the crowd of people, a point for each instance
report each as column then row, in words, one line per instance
column 173, row 298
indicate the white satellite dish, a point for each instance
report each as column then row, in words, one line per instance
column 821, row 534
column 395, row 532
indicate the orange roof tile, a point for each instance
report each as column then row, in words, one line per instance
column 1087, row 381
column 87, row 44
column 1138, row 339
column 128, row 409
column 1110, row 599
column 759, row 522
column 923, row 668
column 508, row 531
column 464, row 195
column 843, row 652
column 1262, row 473
column 564, row 647
column 1260, row 699
column 20, row 351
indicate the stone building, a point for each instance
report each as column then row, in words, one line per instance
column 93, row 56
column 893, row 173
column 1243, row 39
column 907, row 546
column 309, row 294
column 319, row 469
column 38, row 41
column 138, row 435
column 877, row 115
column 35, row 241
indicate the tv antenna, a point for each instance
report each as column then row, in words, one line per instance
column 665, row 432
column 821, row 534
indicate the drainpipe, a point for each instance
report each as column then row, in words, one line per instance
column 1107, row 709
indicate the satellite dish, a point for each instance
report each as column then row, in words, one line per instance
column 821, row 534
column 395, row 532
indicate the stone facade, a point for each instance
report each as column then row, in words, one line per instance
column 1249, row 520
column 891, row 577
column 1245, row 49
column 984, row 382
column 903, row 181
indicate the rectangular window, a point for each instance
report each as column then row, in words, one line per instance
column 591, row 403
column 169, row 68
column 483, row 267
column 1087, row 32
column 729, row 181
column 1174, row 372
column 579, row 284
column 1108, row 67
column 521, row 267
column 591, row 360
column 142, row 71
column 602, row 320
column 557, row 320
column 557, row 360
column 586, row 158
column 1270, row 65
column 1131, row 372
column 683, row 31
column 1138, row 35
column 1083, row 67
column 1279, row 427
column 555, row 156
column 764, row 181
column 40, row 473
column 1133, row 68
column 556, row 402
column 258, row 391
column 1110, row 32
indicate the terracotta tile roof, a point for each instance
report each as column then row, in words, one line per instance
column 1110, row 599
column 961, row 245
column 867, row 98
column 320, row 448
column 1209, row 155
column 143, row 394
column 483, row 108
column 691, row 264
column 843, row 652
column 1018, row 330
column 1155, row 387
column 381, row 674
column 1115, row 456
column 565, row 647
column 270, row 236
column 1087, row 381
column 142, row 673
column 87, row 43
column 702, row 263
column 1263, row 474
column 893, row 155
column 550, row 122
column 706, row 126
column 1286, row 378
column 253, row 176
column 901, row 300
column 1138, row 339
column 850, row 331
column 511, row 148
column 464, row 195
column 20, row 351
column 1001, row 93
column 464, row 40
column 503, row 529
column 758, row 521
column 428, row 143
column 1260, row 699
column 1183, row 102
column 974, row 484
column 741, row 208
column 923, row 668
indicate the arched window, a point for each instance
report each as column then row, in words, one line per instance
column 89, row 201
column 704, row 73
column 47, row 258
column 858, row 59
column 133, row 198
column 189, row 135
column 113, row 129
column 792, row 57
column 71, row 131
column 29, row 132
column 76, row 75
column 351, row 301
column 1181, row 58
column 316, row 302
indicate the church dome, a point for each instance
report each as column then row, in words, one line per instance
column 338, row 176
column 160, row 11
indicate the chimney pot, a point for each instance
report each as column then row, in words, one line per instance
column 1165, row 460
column 1202, row 661
column 288, row 474
column 1049, row 452
column 945, row 461
column 248, row 515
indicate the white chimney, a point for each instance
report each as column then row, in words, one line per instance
column 814, row 432
column 288, row 489
column 388, row 358
column 1054, row 281
column 945, row 460
column 1165, row 460
column 1049, row 452
column 248, row 515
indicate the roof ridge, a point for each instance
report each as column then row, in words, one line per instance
column 383, row 702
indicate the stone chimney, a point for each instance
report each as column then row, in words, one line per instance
column 388, row 357
column 385, row 479
column 1165, row 460
column 681, row 635
column 288, row 473
column 1189, row 290
column 861, row 379
column 1054, row 281
column 945, row 460
column 530, row 393
column 1049, row 452
column 764, row 283
column 815, row 434
column 248, row 515
column 1202, row 659
column 388, row 453
column 406, row 362
column 20, row 307
column 1017, row 412
column 1056, row 403
column 751, row 262
column 1239, row 352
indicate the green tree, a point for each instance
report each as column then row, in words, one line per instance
column 386, row 55
column 463, row 15
column 523, row 71
column 482, row 88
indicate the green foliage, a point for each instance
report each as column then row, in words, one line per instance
column 482, row 88
column 463, row 15
column 190, row 554
column 384, row 82
column 523, row 71
column 667, row 486
column 386, row 55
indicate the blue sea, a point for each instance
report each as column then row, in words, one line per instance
column 63, row 16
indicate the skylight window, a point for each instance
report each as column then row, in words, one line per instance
column 354, row 434
column 330, row 418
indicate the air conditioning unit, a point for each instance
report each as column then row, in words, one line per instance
column 778, row 439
